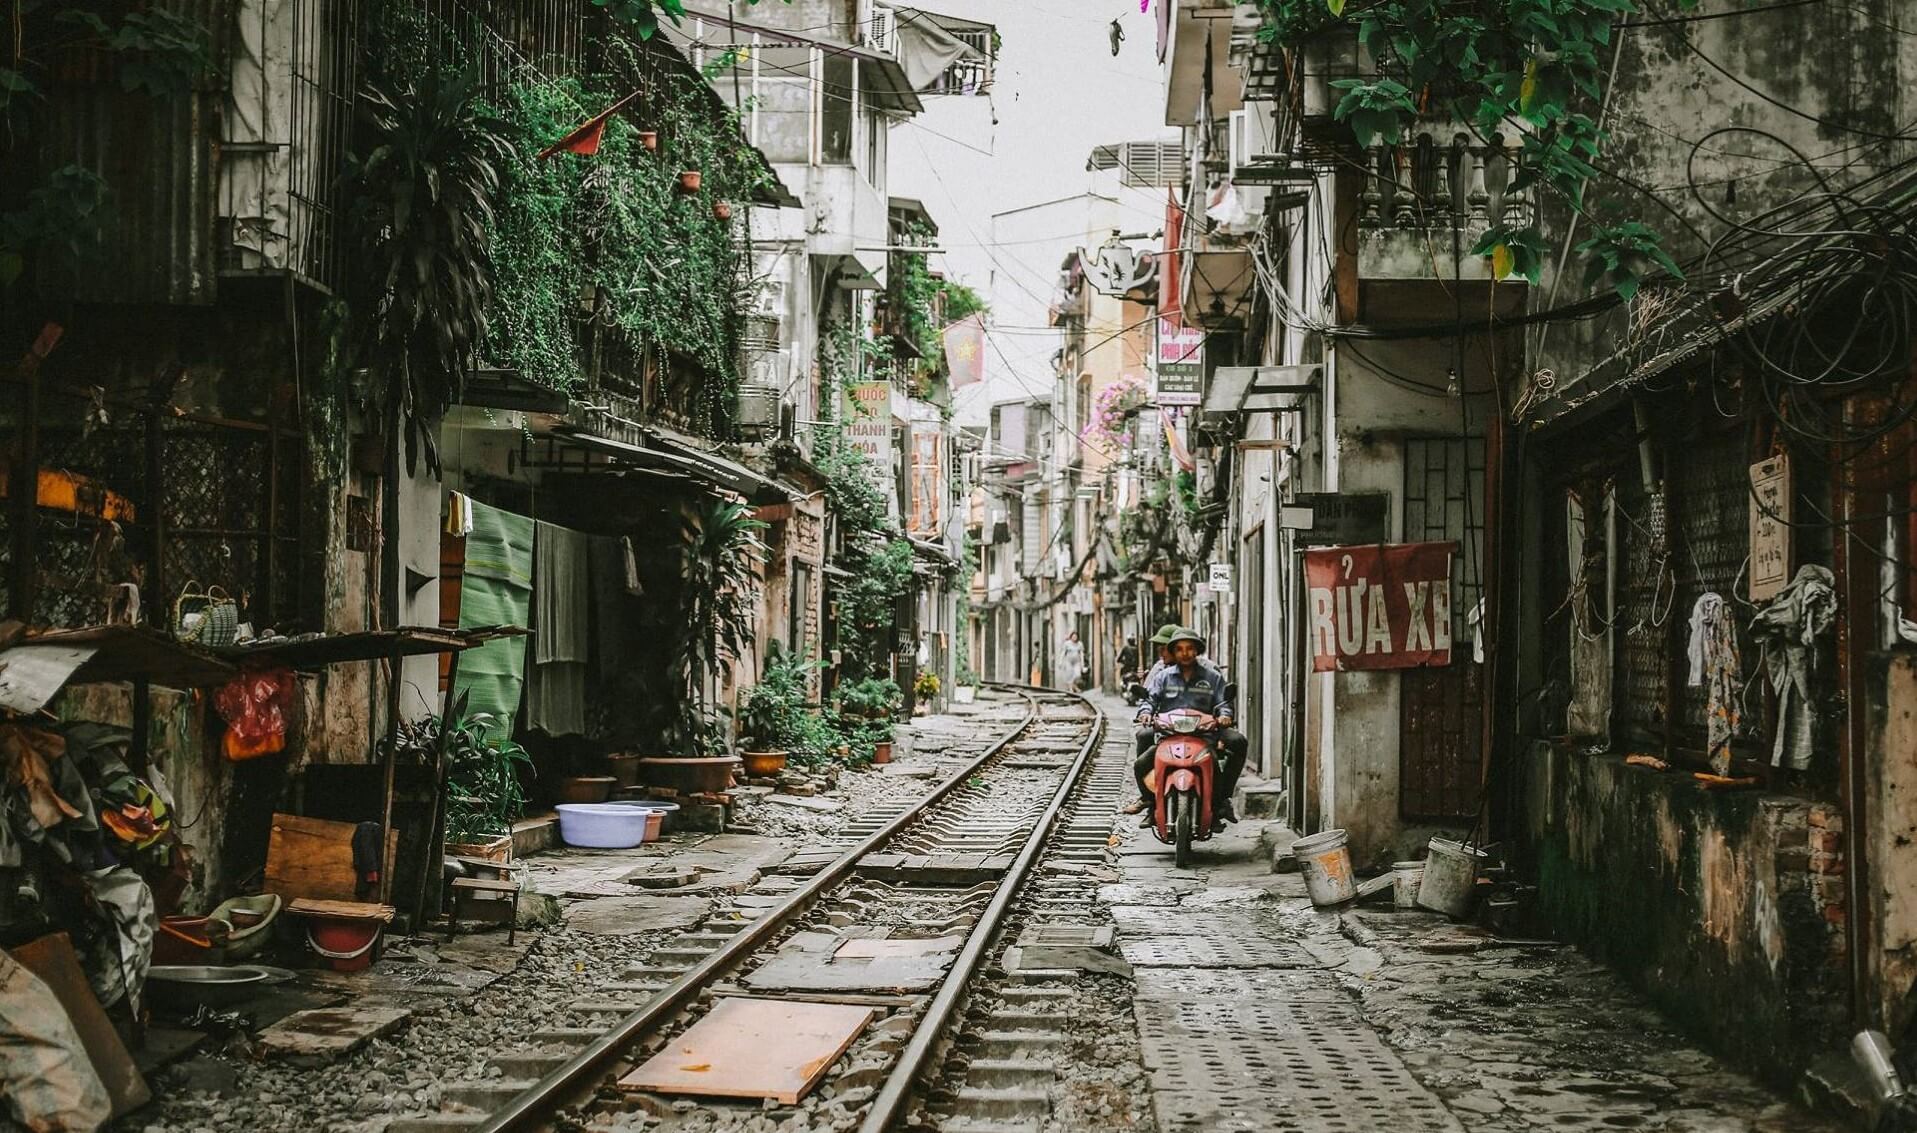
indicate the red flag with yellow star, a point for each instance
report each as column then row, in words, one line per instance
column 965, row 350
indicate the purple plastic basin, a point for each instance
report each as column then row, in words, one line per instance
column 606, row 826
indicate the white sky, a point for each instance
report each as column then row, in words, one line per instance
column 1057, row 92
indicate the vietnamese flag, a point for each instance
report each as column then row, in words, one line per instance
column 965, row 350
column 585, row 139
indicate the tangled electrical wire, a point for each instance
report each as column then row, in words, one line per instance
column 1819, row 295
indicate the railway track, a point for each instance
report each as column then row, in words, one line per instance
column 929, row 896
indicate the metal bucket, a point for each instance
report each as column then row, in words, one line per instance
column 1326, row 864
column 1405, row 879
column 1450, row 877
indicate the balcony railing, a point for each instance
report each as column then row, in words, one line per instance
column 1430, row 184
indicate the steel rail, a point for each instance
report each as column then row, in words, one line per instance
column 891, row 1098
column 537, row 1101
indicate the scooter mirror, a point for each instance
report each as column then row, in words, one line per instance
column 1135, row 692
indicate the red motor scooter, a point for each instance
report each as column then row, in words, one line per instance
column 1184, row 765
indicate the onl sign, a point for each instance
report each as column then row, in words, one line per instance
column 1379, row 607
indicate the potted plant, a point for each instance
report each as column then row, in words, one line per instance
column 925, row 687
column 719, row 552
column 483, row 792
column 722, row 210
column 649, row 140
column 966, row 686
column 689, row 180
column 770, row 712
column 871, row 698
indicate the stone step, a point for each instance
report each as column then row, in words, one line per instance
column 1014, row 1018
column 975, row 1125
column 974, row 1101
column 529, row 1063
column 1034, row 995
column 1005, row 1073
column 1010, row 1044
column 486, row 1094
column 436, row 1123
column 566, row 1036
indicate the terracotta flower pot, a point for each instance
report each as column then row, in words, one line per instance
column 690, row 180
column 763, row 764
column 585, row 788
column 689, row 776
column 649, row 140
column 624, row 768
column 721, row 210
column 882, row 752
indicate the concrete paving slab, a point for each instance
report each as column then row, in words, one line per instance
column 328, row 1032
column 622, row 916
column 814, row 961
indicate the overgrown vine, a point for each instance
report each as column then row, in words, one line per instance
column 1524, row 66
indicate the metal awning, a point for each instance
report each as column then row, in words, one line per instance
column 1259, row 389
column 320, row 650
column 666, row 453
column 930, row 550
column 35, row 668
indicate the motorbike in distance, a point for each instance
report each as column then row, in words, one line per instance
column 1184, row 770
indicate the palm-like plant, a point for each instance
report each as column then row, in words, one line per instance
column 422, row 214
column 720, row 551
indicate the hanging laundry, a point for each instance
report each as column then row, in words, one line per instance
column 496, row 590
column 556, row 692
column 459, row 514
column 1716, row 668
column 1788, row 630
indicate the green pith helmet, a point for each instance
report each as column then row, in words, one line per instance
column 1184, row 634
column 1164, row 635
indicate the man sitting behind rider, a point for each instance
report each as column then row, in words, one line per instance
column 1189, row 683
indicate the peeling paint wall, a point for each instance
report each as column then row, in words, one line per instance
column 1893, row 841
column 1727, row 908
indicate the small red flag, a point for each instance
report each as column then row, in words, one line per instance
column 585, row 139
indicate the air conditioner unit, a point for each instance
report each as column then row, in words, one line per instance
column 882, row 30
column 758, row 409
column 1238, row 137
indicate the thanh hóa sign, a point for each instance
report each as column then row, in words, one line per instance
column 1379, row 606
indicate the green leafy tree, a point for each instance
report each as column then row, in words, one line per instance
column 720, row 552
column 1529, row 67
column 421, row 210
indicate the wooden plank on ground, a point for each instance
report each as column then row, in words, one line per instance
column 52, row 959
column 753, row 1048
column 312, row 857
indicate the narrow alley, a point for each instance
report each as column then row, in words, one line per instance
column 1007, row 566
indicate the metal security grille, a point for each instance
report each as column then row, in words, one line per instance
column 1442, row 714
column 1644, row 605
column 1711, row 509
column 227, row 515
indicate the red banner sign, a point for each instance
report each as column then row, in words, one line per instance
column 1379, row 607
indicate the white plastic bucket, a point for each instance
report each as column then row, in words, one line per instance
column 1326, row 864
column 1450, row 877
column 1405, row 879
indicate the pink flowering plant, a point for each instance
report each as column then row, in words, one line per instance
column 1115, row 412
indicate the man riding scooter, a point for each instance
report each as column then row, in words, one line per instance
column 1188, row 683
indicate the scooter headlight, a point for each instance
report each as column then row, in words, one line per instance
column 1185, row 724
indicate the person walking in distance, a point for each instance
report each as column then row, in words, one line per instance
column 1071, row 661
column 1128, row 661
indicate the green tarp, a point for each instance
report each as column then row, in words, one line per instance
column 496, row 590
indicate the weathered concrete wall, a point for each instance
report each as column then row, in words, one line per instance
column 1362, row 764
column 1727, row 908
column 1892, row 825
